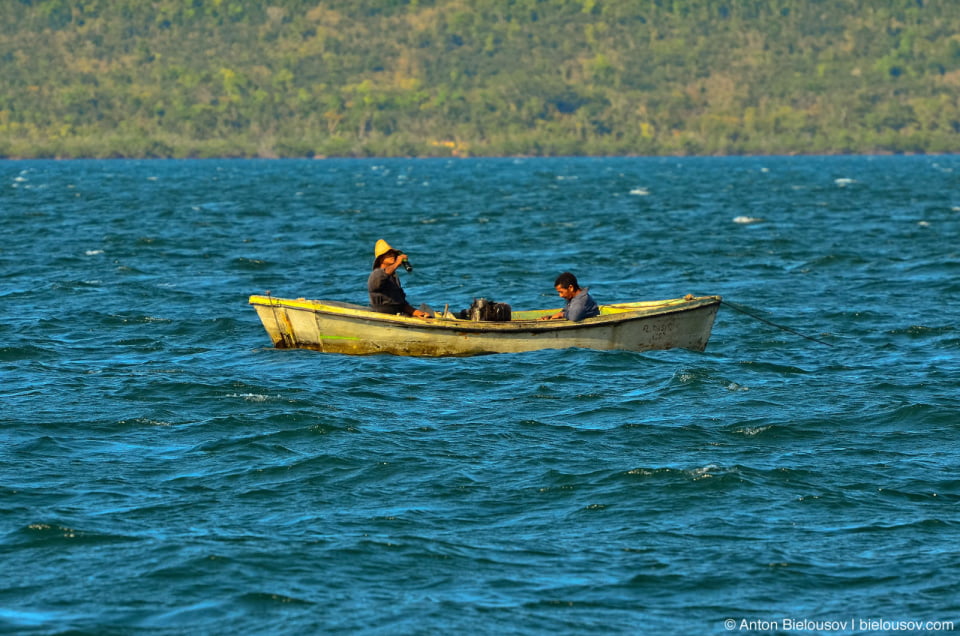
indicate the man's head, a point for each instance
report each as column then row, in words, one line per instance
column 382, row 252
column 566, row 285
column 386, row 259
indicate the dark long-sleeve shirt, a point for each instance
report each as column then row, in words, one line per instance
column 386, row 294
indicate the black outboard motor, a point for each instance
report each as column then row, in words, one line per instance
column 487, row 311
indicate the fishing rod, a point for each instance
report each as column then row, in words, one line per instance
column 737, row 307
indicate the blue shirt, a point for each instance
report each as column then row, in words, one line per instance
column 581, row 306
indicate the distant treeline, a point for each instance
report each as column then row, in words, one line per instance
column 199, row 78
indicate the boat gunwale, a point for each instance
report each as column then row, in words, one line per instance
column 358, row 312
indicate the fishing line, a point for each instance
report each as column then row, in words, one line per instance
column 736, row 307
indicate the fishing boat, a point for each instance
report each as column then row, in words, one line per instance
column 336, row 327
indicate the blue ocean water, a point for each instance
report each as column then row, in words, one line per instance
column 163, row 470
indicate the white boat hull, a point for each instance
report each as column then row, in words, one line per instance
column 341, row 328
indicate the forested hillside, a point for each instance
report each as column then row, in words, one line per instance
column 162, row 78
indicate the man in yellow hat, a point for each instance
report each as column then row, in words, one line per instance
column 386, row 294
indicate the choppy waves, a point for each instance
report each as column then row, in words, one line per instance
column 165, row 470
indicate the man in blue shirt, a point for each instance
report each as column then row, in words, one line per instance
column 579, row 305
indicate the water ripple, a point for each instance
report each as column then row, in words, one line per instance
column 165, row 470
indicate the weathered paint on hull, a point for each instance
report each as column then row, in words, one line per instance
column 350, row 329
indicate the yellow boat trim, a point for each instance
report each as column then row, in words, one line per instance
column 529, row 314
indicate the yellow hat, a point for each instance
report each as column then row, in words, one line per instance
column 381, row 248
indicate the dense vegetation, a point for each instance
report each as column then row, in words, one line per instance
column 159, row 78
